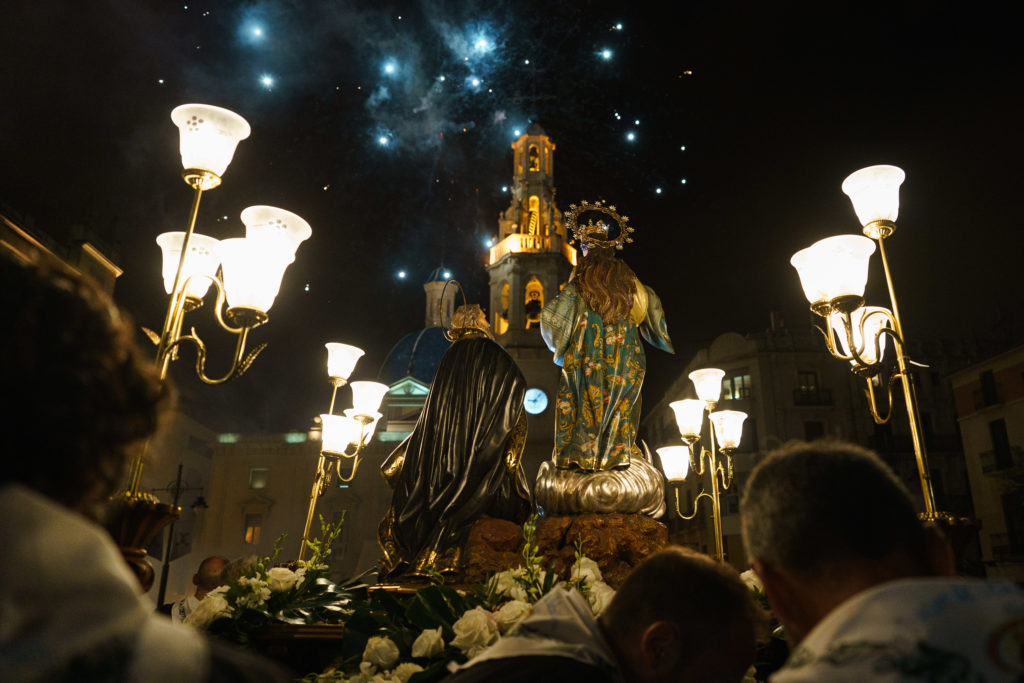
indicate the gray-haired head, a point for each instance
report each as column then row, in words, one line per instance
column 823, row 506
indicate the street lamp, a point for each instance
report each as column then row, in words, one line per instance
column 343, row 436
column 727, row 428
column 200, row 502
column 245, row 271
column 833, row 273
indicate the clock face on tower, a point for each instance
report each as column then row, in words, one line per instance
column 536, row 401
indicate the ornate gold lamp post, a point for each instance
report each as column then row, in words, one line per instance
column 246, row 273
column 833, row 273
column 344, row 436
column 724, row 437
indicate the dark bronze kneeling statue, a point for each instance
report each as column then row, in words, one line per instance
column 462, row 460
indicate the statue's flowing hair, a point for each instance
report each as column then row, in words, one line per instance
column 606, row 284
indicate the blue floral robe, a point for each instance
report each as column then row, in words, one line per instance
column 598, row 406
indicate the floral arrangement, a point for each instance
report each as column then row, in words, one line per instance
column 260, row 593
column 389, row 638
column 414, row 640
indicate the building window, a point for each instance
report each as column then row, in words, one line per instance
column 989, row 391
column 808, row 392
column 807, row 382
column 253, row 528
column 258, row 478
column 735, row 388
column 732, row 505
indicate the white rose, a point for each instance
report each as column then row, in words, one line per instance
column 209, row 608
column 752, row 580
column 505, row 584
column 511, row 613
column 474, row 631
column 428, row 644
column 404, row 670
column 381, row 651
column 282, row 579
column 599, row 595
column 587, row 569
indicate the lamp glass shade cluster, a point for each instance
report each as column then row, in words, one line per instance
column 342, row 359
column 875, row 192
column 689, row 412
column 358, row 423
column 208, row 136
column 675, row 462
column 833, row 267
column 252, row 267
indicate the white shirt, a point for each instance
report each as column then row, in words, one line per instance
column 183, row 608
column 70, row 605
column 916, row 630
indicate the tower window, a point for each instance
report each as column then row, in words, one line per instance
column 534, row 158
column 533, row 221
column 534, row 301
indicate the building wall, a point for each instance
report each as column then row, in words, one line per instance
column 268, row 478
column 990, row 407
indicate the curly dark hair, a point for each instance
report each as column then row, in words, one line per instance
column 75, row 390
column 606, row 284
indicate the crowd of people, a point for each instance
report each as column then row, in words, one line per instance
column 863, row 589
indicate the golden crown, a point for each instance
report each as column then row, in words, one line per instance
column 595, row 235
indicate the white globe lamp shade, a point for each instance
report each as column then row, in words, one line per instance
column 867, row 322
column 875, row 192
column 708, row 383
column 338, row 433
column 342, row 359
column 689, row 416
column 252, row 272
column 273, row 223
column 366, row 396
column 728, row 427
column 208, row 136
column 833, row 267
column 202, row 259
column 675, row 462
column 369, row 428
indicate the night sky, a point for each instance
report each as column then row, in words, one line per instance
column 387, row 127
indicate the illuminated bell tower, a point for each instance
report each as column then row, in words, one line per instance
column 527, row 268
